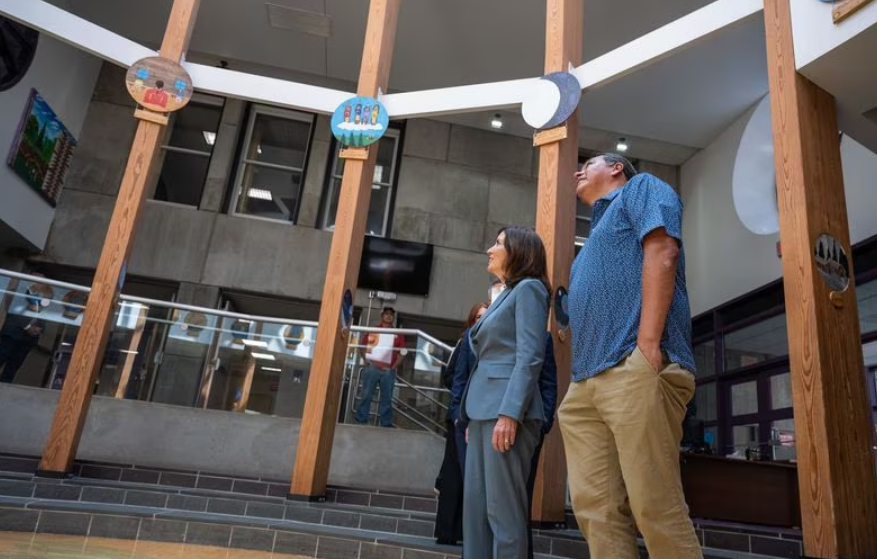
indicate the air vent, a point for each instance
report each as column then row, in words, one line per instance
column 282, row 17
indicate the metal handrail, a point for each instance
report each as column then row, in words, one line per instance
column 397, row 406
column 417, row 390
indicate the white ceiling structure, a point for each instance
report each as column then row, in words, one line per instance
column 667, row 110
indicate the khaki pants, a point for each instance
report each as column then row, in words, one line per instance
column 621, row 430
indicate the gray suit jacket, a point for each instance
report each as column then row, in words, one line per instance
column 509, row 346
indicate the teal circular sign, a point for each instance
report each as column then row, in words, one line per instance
column 360, row 122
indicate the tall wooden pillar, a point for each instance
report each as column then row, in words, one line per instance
column 91, row 341
column 324, row 385
column 555, row 223
column 833, row 426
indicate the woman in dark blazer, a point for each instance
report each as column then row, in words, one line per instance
column 502, row 403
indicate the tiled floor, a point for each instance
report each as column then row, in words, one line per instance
column 49, row 546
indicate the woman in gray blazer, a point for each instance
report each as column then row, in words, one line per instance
column 502, row 403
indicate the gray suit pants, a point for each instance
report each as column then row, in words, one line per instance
column 495, row 515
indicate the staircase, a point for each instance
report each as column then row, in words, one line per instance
column 129, row 502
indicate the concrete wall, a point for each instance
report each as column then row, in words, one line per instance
column 65, row 77
column 161, row 436
column 456, row 187
column 724, row 259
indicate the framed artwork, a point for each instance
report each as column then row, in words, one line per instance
column 42, row 149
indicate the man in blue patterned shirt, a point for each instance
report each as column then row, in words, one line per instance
column 632, row 367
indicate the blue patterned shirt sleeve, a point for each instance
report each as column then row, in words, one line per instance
column 650, row 204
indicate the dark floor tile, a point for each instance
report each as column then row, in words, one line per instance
column 102, row 495
column 378, row 551
column 775, row 547
column 12, row 488
column 177, row 480
column 187, row 502
column 415, row 528
column 352, row 498
column 334, row 548
column 21, row 465
column 569, row 548
column 208, row 534
column 250, row 487
column 100, row 472
column 141, row 476
column 146, row 499
column 69, row 523
column 214, row 483
column 252, row 538
column 387, row 501
column 291, row 543
column 226, row 506
column 341, row 518
column 726, row 540
column 378, row 523
column 541, row 544
column 278, row 490
column 18, row 520
column 58, row 492
column 304, row 514
column 265, row 510
column 420, row 504
column 120, row 527
column 162, row 530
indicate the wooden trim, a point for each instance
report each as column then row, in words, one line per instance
column 545, row 137
column 555, row 223
column 846, row 9
column 833, row 423
column 313, row 455
column 149, row 116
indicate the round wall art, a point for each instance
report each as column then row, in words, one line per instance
column 360, row 122
column 159, row 84
column 552, row 99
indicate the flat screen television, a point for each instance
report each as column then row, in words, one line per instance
column 397, row 266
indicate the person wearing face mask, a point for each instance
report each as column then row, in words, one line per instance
column 501, row 402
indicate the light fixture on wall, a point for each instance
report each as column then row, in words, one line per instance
column 209, row 137
column 621, row 145
column 259, row 194
column 496, row 122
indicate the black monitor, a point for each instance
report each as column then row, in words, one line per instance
column 397, row 266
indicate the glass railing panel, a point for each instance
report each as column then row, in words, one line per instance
column 40, row 324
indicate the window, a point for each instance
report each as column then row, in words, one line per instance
column 187, row 152
column 271, row 170
column 757, row 343
column 867, row 298
column 382, row 186
column 583, row 221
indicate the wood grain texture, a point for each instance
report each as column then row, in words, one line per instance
column 555, row 223
column 314, row 451
column 847, row 8
column 88, row 352
column 833, row 425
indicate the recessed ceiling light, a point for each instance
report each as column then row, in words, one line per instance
column 621, row 145
column 256, row 343
column 272, row 369
column 265, row 356
column 209, row 137
column 496, row 122
column 259, row 193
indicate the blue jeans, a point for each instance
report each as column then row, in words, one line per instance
column 373, row 377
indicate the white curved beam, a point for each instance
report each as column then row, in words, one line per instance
column 75, row 31
column 641, row 52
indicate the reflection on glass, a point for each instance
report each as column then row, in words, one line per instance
column 705, row 359
column 744, row 398
column 756, row 343
column 745, row 437
column 705, row 400
column 781, row 391
column 782, row 435
column 866, row 294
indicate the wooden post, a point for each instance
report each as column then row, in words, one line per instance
column 555, row 223
column 91, row 341
column 833, row 427
column 324, row 385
